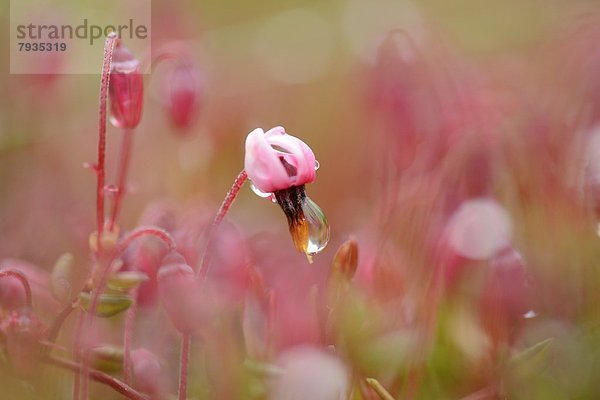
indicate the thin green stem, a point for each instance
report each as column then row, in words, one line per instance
column 100, row 167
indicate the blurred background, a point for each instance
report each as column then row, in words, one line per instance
column 458, row 144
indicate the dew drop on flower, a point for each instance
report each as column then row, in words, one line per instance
column 260, row 193
column 317, row 165
column 318, row 227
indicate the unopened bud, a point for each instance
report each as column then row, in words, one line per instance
column 107, row 358
column 345, row 260
column 126, row 280
column 107, row 305
column 60, row 278
column 108, row 241
column 126, row 89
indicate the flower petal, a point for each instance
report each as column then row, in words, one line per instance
column 262, row 164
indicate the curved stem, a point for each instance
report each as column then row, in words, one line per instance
column 186, row 340
column 109, row 46
column 24, row 282
column 145, row 231
column 98, row 376
column 124, row 158
column 223, row 209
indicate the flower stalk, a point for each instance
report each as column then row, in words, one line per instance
column 100, row 167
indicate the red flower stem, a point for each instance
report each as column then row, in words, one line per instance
column 186, row 340
column 24, row 282
column 128, row 336
column 225, row 206
column 125, row 156
column 98, row 376
column 109, row 46
column 230, row 197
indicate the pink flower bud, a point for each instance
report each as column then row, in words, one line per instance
column 180, row 293
column 12, row 293
column 506, row 297
column 182, row 96
column 277, row 161
column 38, row 279
column 126, row 89
column 146, row 372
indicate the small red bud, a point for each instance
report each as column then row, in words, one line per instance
column 126, row 89
column 182, row 96
column 345, row 260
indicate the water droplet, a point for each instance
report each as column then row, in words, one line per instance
column 111, row 188
column 530, row 314
column 260, row 193
column 318, row 227
column 317, row 165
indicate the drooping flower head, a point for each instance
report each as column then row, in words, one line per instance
column 277, row 161
column 279, row 165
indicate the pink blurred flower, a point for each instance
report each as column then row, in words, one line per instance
column 310, row 373
column 38, row 279
column 277, row 161
column 182, row 96
column 147, row 374
column 479, row 228
column 180, row 293
column 507, row 298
